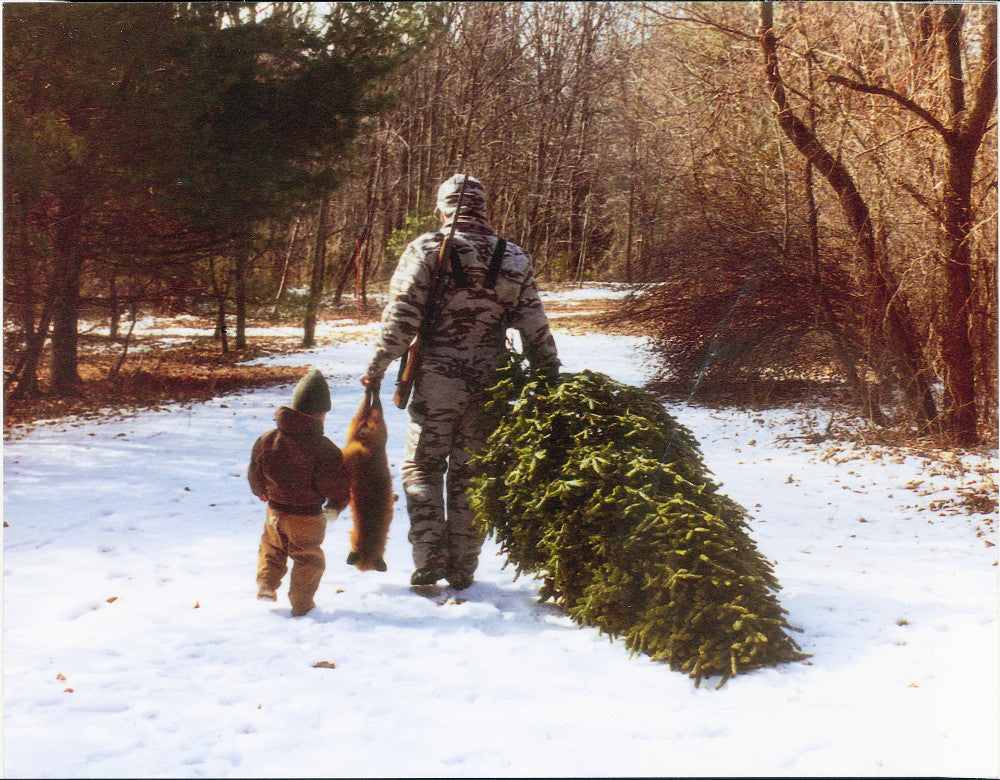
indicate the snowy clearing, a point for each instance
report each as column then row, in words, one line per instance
column 134, row 646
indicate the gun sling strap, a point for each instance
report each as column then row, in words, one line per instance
column 494, row 271
column 458, row 273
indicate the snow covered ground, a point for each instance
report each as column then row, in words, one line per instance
column 134, row 646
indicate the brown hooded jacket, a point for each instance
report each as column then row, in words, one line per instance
column 295, row 468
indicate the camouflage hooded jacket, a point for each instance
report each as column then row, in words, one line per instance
column 469, row 335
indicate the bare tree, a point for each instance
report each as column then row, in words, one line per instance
column 889, row 320
column 963, row 136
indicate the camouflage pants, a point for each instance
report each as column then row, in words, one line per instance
column 446, row 429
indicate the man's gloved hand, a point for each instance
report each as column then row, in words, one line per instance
column 331, row 512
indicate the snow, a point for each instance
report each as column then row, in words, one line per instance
column 173, row 331
column 134, row 646
column 589, row 292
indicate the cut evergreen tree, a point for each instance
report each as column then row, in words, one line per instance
column 591, row 485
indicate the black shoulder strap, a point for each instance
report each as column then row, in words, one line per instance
column 494, row 271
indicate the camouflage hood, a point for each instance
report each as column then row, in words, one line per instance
column 472, row 212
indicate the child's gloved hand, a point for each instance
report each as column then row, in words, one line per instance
column 331, row 512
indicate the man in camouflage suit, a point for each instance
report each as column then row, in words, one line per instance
column 474, row 311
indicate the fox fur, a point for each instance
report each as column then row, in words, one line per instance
column 371, row 485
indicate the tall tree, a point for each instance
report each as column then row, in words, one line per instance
column 962, row 134
column 70, row 77
column 890, row 321
column 921, row 72
column 318, row 275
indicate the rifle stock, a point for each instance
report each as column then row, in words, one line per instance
column 410, row 363
column 407, row 374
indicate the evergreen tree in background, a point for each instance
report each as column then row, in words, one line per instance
column 143, row 133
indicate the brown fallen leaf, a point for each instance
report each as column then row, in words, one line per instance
column 324, row 665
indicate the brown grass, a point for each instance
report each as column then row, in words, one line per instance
column 163, row 375
column 159, row 371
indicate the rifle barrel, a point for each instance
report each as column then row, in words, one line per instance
column 412, row 357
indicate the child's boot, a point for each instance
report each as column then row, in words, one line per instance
column 265, row 593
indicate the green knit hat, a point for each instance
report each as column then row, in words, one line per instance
column 311, row 394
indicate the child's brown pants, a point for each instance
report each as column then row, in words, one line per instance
column 297, row 537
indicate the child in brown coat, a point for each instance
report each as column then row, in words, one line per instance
column 295, row 468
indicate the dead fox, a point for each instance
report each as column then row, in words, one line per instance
column 371, row 484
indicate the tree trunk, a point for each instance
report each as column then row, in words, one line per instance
column 220, row 293
column 242, row 264
column 957, row 351
column 66, row 303
column 869, row 407
column 317, row 278
column 114, row 308
column 126, row 343
column 221, row 329
column 284, row 269
column 630, row 214
column 956, row 345
column 862, row 392
column 345, row 273
column 26, row 374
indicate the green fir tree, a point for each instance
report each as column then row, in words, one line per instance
column 591, row 485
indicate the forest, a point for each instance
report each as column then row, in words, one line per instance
column 800, row 195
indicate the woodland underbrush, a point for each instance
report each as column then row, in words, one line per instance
column 727, row 353
column 168, row 360
column 191, row 372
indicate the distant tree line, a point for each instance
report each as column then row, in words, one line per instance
column 800, row 188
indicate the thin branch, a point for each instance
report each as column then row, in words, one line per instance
column 920, row 111
column 920, row 198
column 700, row 20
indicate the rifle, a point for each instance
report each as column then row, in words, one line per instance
column 410, row 363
